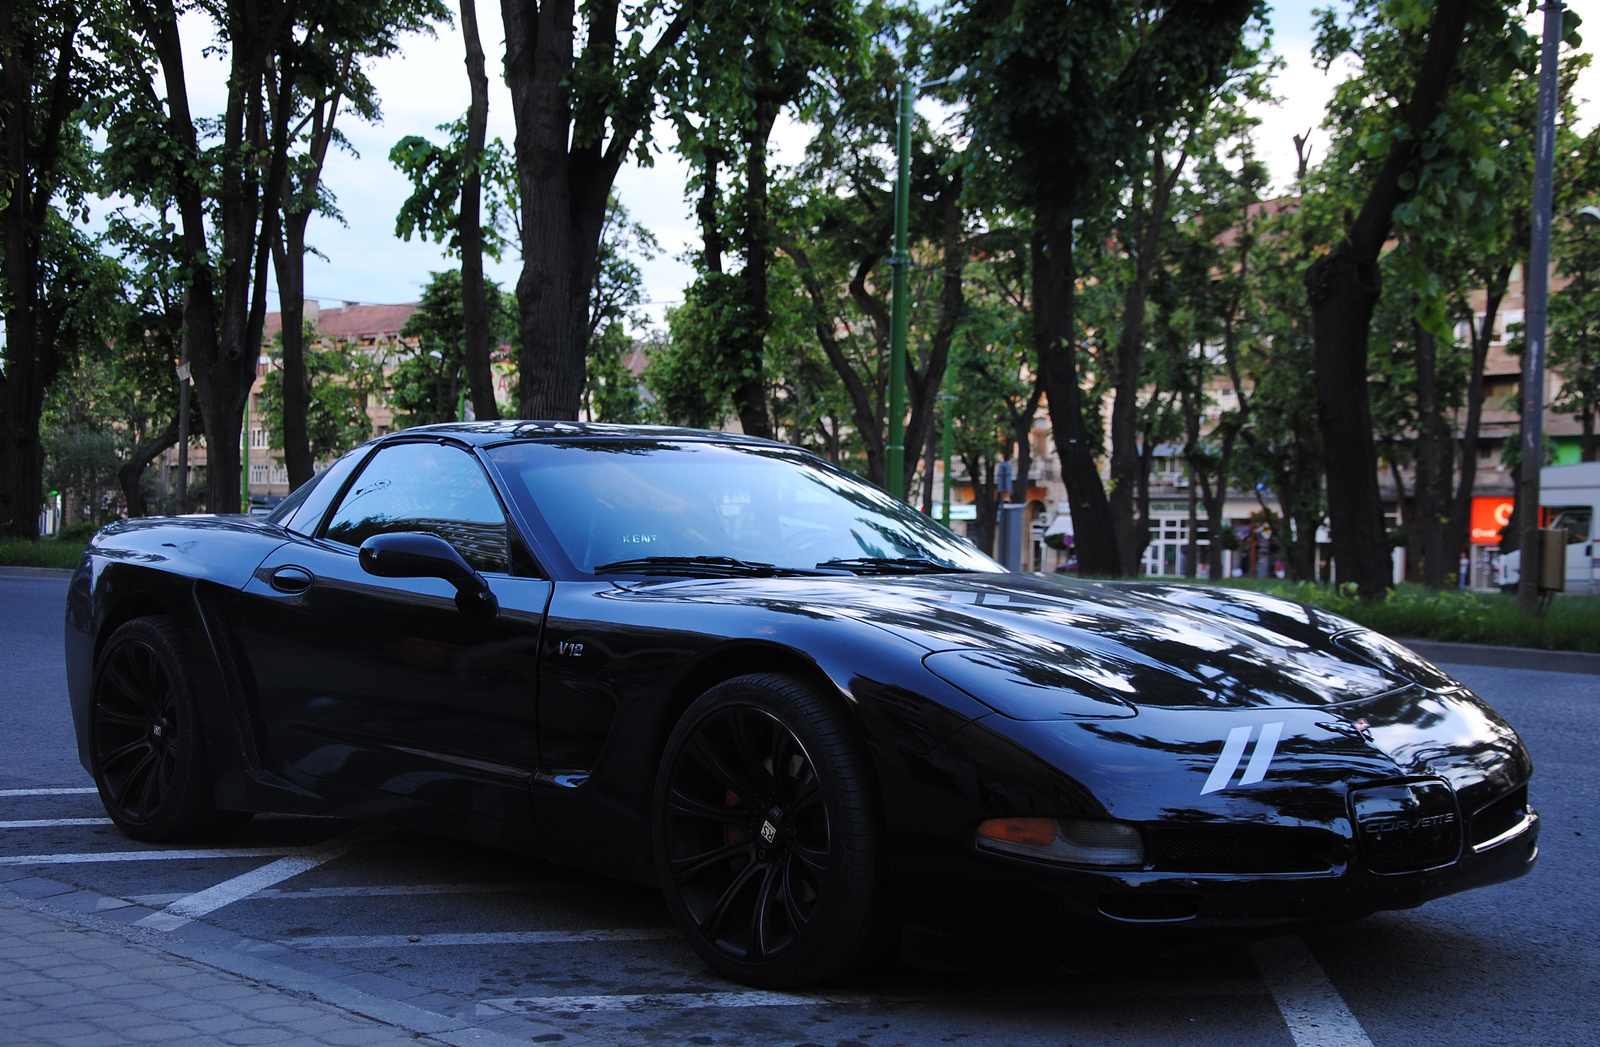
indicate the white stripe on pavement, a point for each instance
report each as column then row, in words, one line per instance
column 1089, row 990
column 401, row 941
column 227, row 892
column 1312, row 1008
column 89, row 858
column 52, row 823
column 77, row 791
column 622, row 1002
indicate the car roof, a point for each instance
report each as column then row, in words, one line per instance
column 485, row 434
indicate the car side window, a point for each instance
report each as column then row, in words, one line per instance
column 431, row 488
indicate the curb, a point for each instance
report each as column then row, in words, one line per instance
column 35, row 572
column 1505, row 657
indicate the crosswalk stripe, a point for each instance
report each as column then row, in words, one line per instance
column 51, row 823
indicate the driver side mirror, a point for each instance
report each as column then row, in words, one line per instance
column 415, row 554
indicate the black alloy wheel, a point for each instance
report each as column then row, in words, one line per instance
column 145, row 741
column 766, row 836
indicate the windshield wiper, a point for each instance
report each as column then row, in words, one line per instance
column 702, row 566
column 893, row 565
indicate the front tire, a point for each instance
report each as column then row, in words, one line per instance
column 146, row 744
column 766, row 833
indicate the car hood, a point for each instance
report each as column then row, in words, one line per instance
column 1021, row 639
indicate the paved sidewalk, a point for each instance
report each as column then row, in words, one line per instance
column 66, row 985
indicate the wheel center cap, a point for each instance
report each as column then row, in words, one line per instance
column 769, row 832
column 156, row 730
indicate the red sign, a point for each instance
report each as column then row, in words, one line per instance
column 1489, row 517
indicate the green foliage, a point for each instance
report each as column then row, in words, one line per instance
column 437, row 173
column 57, row 553
column 430, row 382
column 344, row 380
column 1572, row 623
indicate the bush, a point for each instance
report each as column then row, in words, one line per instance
column 1572, row 623
column 78, row 532
column 46, row 552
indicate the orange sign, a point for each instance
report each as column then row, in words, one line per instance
column 1489, row 516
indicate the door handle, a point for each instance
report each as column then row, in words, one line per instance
column 291, row 579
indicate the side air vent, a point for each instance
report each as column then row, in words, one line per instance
column 220, row 633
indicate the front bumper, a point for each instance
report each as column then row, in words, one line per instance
column 983, row 902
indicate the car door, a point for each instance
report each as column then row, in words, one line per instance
column 382, row 683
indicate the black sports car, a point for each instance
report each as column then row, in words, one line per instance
column 723, row 666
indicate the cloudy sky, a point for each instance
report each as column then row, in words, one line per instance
column 425, row 85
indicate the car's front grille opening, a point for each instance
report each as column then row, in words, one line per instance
column 1501, row 816
column 1207, row 849
column 1149, row 906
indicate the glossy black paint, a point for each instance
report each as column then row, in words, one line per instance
column 327, row 688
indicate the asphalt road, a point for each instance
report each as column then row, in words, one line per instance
column 535, row 952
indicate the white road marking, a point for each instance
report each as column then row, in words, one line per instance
column 1312, row 1008
column 630, row 1001
column 622, row 1002
column 1228, row 762
column 406, row 889
column 193, row 906
column 89, row 858
column 52, row 823
column 76, row 791
column 401, row 941
column 1261, row 758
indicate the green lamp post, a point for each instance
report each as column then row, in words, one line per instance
column 898, row 319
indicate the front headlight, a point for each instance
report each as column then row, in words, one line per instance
column 1066, row 840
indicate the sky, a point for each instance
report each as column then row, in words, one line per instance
column 425, row 85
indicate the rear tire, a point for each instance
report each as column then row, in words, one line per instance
column 766, row 834
column 146, row 743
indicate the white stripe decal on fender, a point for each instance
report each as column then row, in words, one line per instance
column 1228, row 762
column 1266, row 745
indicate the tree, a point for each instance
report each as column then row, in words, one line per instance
column 343, row 379
column 320, row 72
column 581, row 103
column 51, row 68
column 839, row 235
column 1063, row 98
column 1400, row 137
column 743, row 64
column 429, row 385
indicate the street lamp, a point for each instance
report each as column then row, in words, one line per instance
column 900, row 261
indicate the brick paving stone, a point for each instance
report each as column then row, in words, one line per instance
column 62, row 985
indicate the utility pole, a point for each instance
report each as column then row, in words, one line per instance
column 1538, row 291
column 898, row 307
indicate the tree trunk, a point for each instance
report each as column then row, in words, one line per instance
column 1461, row 505
column 131, row 472
column 1056, row 344
column 1586, row 442
column 565, row 174
column 986, row 503
column 1342, row 288
column 929, row 379
column 1146, row 246
column 749, row 345
column 1433, row 473
column 30, row 358
column 291, row 268
column 474, row 295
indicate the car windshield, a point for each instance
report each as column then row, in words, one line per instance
column 683, row 506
